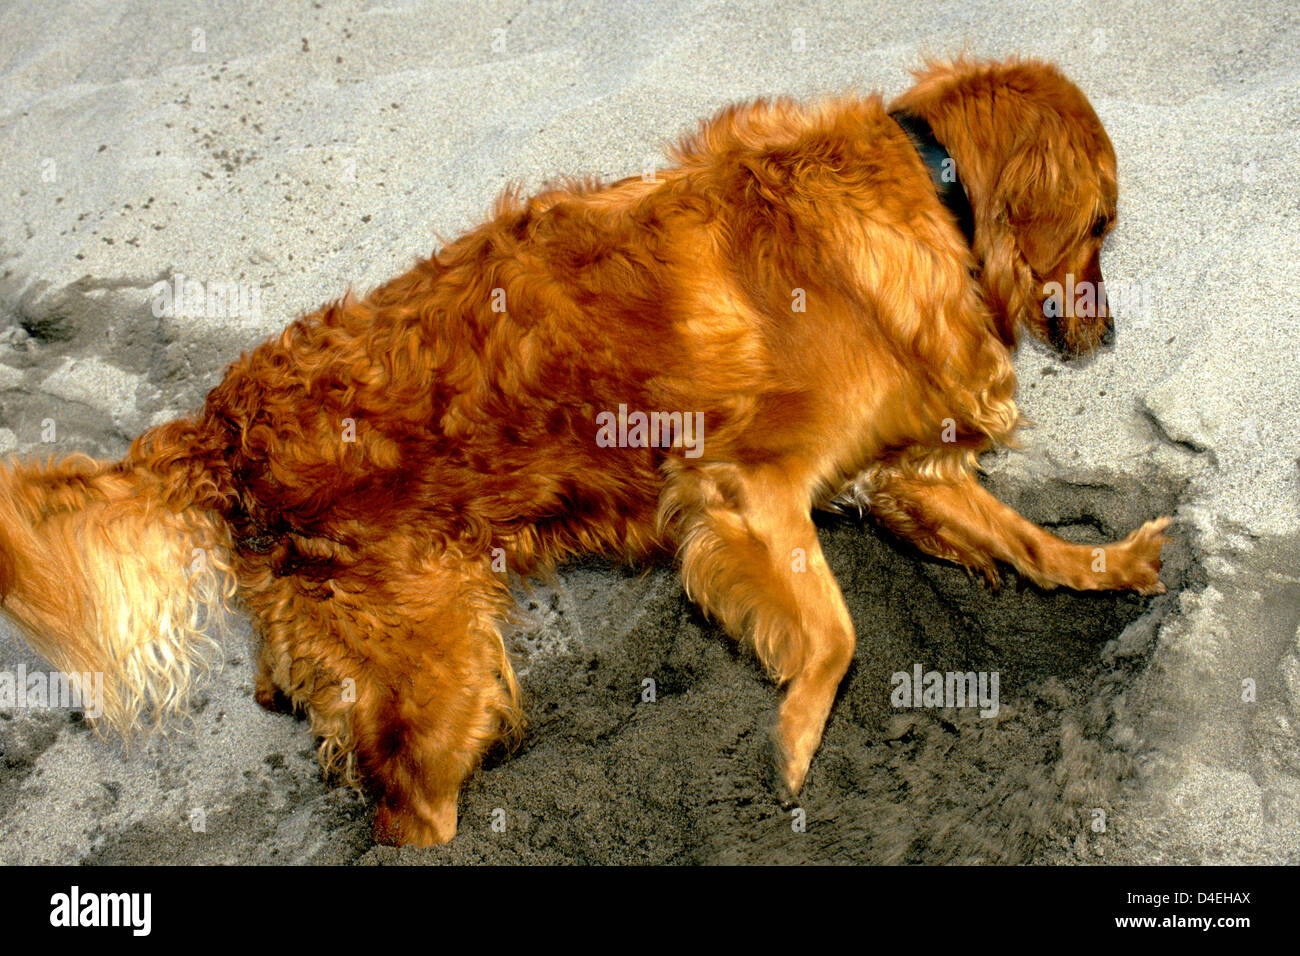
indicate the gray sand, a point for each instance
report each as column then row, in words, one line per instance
column 325, row 148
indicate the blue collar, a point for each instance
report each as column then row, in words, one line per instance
column 942, row 169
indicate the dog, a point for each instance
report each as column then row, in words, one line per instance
column 816, row 303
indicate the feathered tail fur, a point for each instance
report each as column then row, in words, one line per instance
column 115, row 570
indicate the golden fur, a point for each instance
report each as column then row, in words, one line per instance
column 367, row 480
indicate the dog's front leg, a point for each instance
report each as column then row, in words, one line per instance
column 959, row 520
column 750, row 557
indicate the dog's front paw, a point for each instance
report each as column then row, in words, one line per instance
column 1137, row 558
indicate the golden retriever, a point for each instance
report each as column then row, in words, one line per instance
column 814, row 300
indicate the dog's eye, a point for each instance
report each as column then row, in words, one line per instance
column 1099, row 227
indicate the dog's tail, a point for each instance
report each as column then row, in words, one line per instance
column 119, row 571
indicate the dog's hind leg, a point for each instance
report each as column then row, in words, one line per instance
column 750, row 557
column 400, row 665
column 267, row 691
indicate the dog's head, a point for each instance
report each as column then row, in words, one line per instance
column 1040, row 173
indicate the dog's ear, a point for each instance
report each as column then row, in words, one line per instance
column 1037, row 199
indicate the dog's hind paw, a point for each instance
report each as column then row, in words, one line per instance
column 404, row 826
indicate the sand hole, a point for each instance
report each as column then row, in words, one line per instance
column 607, row 776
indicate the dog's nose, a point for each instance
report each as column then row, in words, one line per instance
column 1108, row 336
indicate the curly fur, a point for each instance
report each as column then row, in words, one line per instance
column 370, row 477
